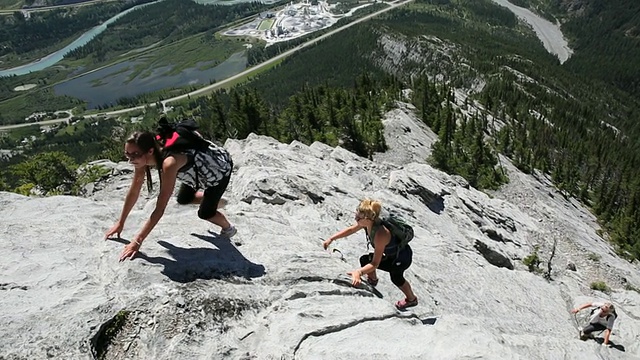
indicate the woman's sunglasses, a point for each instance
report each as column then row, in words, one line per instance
column 134, row 155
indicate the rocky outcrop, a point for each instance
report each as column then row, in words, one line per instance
column 273, row 292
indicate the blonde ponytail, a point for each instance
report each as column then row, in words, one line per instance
column 370, row 209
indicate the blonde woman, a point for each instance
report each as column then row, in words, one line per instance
column 385, row 257
column 603, row 315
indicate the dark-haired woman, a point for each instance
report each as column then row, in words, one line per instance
column 208, row 169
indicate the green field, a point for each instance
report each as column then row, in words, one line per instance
column 202, row 51
column 231, row 84
column 11, row 4
column 266, row 24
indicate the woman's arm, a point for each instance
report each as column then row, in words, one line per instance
column 607, row 333
column 610, row 321
column 583, row 306
column 129, row 201
column 133, row 194
column 383, row 237
column 342, row 233
column 169, row 174
column 170, row 168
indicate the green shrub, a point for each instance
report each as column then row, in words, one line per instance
column 24, row 189
column 533, row 260
column 48, row 171
column 600, row 286
column 91, row 174
column 632, row 288
column 594, row 257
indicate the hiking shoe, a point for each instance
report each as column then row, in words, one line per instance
column 228, row 233
column 584, row 336
column 403, row 304
column 372, row 282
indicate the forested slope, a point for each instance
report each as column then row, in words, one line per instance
column 479, row 78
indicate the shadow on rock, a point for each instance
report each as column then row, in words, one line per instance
column 346, row 281
column 429, row 321
column 120, row 240
column 435, row 202
column 611, row 344
column 191, row 264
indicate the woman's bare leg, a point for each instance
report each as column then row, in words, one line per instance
column 372, row 275
column 408, row 292
column 220, row 220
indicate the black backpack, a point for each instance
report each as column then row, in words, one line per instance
column 180, row 136
column 401, row 232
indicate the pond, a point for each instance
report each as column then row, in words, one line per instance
column 107, row 85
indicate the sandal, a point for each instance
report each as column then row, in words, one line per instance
column 405, row 303
column 372, row 282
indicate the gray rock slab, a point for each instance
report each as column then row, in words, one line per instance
column 272, row 292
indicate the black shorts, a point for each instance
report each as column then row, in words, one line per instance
column 392, row 264
column 212, row 195
column 593, row 327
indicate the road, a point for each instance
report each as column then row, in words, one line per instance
column 221, row 83
column 41, row 123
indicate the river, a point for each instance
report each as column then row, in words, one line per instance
column 55, row 57
column 548, row 32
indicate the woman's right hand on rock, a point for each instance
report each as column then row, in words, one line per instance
column 326, row 243
column 116, row 229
